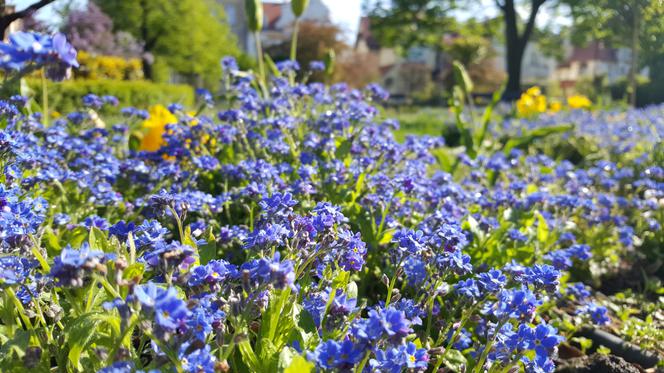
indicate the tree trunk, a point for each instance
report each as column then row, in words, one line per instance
column 634, row 58
column 516, row 45
column 147, row 68
column 514, row 59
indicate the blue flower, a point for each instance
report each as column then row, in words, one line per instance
column 278, row 205
column 316, row 66
column 456, row 262
column 214, row 272
column 598, row 314
column 578, row 291
column 335, row 355
column 15, row 270
column 72, row 266
column 25, row 48
column 543, row 339
column 492, row 281
column 398, row 359
column 264, row 271
column 518, row 304
column 543, row 276
column 415, row 270
column 390, row 322
column 467, row 288
column 198, row 361
column 170, row 312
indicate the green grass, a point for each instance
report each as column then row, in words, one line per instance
column 420, row 121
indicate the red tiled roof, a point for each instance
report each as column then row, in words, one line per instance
column 594, row 51
column 272, row 12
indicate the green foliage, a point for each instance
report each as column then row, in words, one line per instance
column 188, row 37
column 66, row 96
column 409, row 23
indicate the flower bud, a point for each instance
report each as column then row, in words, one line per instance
column 299, row 6
column 254, row 11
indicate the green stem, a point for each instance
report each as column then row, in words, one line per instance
column 261, row 64
column 19, row 308
column 45, row 97
column 392, row 282
column 360, row 367
column 296, row 29
column 462, row 323
column 123, row 335
column 487, row 348
column 179, row 223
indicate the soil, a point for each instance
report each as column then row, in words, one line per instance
column 597, row 363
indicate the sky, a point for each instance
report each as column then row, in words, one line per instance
column 345, row 13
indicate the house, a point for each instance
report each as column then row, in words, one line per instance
column 278, row 20
column 401, row 74
column 536, row 67
column 595, row 60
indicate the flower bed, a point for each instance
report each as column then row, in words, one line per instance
column 291, row 232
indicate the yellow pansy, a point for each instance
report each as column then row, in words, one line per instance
column 155, row 126
column 555, row 106
column 579, row 102
column 532, row 102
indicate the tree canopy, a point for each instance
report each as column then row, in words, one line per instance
column 187, row 37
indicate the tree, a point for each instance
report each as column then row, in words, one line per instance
column 409, row 23
column 423, row 22
column 315, row 40
column 7, row 19
column 189, row 37
column 619, row 23
column 91, row 30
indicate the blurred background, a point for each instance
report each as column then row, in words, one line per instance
column 611, row 51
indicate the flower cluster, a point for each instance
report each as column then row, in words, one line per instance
column 284, row 226
column 33, row 50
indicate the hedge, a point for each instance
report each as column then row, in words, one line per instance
column 66, row 96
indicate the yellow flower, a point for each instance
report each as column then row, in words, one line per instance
column 534, row 91
column 156, row 126
column 532, row 102
column 555, row 106
column 579, row 102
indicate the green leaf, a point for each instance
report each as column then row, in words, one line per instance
column 529, row 137
column 208, row 251
column 343, row 148
column 542, row 228
column 51, row 240
column 269, row 62
column 78, row 236
column 299, row 365
column 248, row 355
column 462, row 78
column 341, row 279
column 454, row 360
column 16, row 346
column 80, row 332
column 98, row 240
column 134, row 271
column 486, row 117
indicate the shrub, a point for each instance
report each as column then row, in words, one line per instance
column 108, row 67
column 66, row 96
